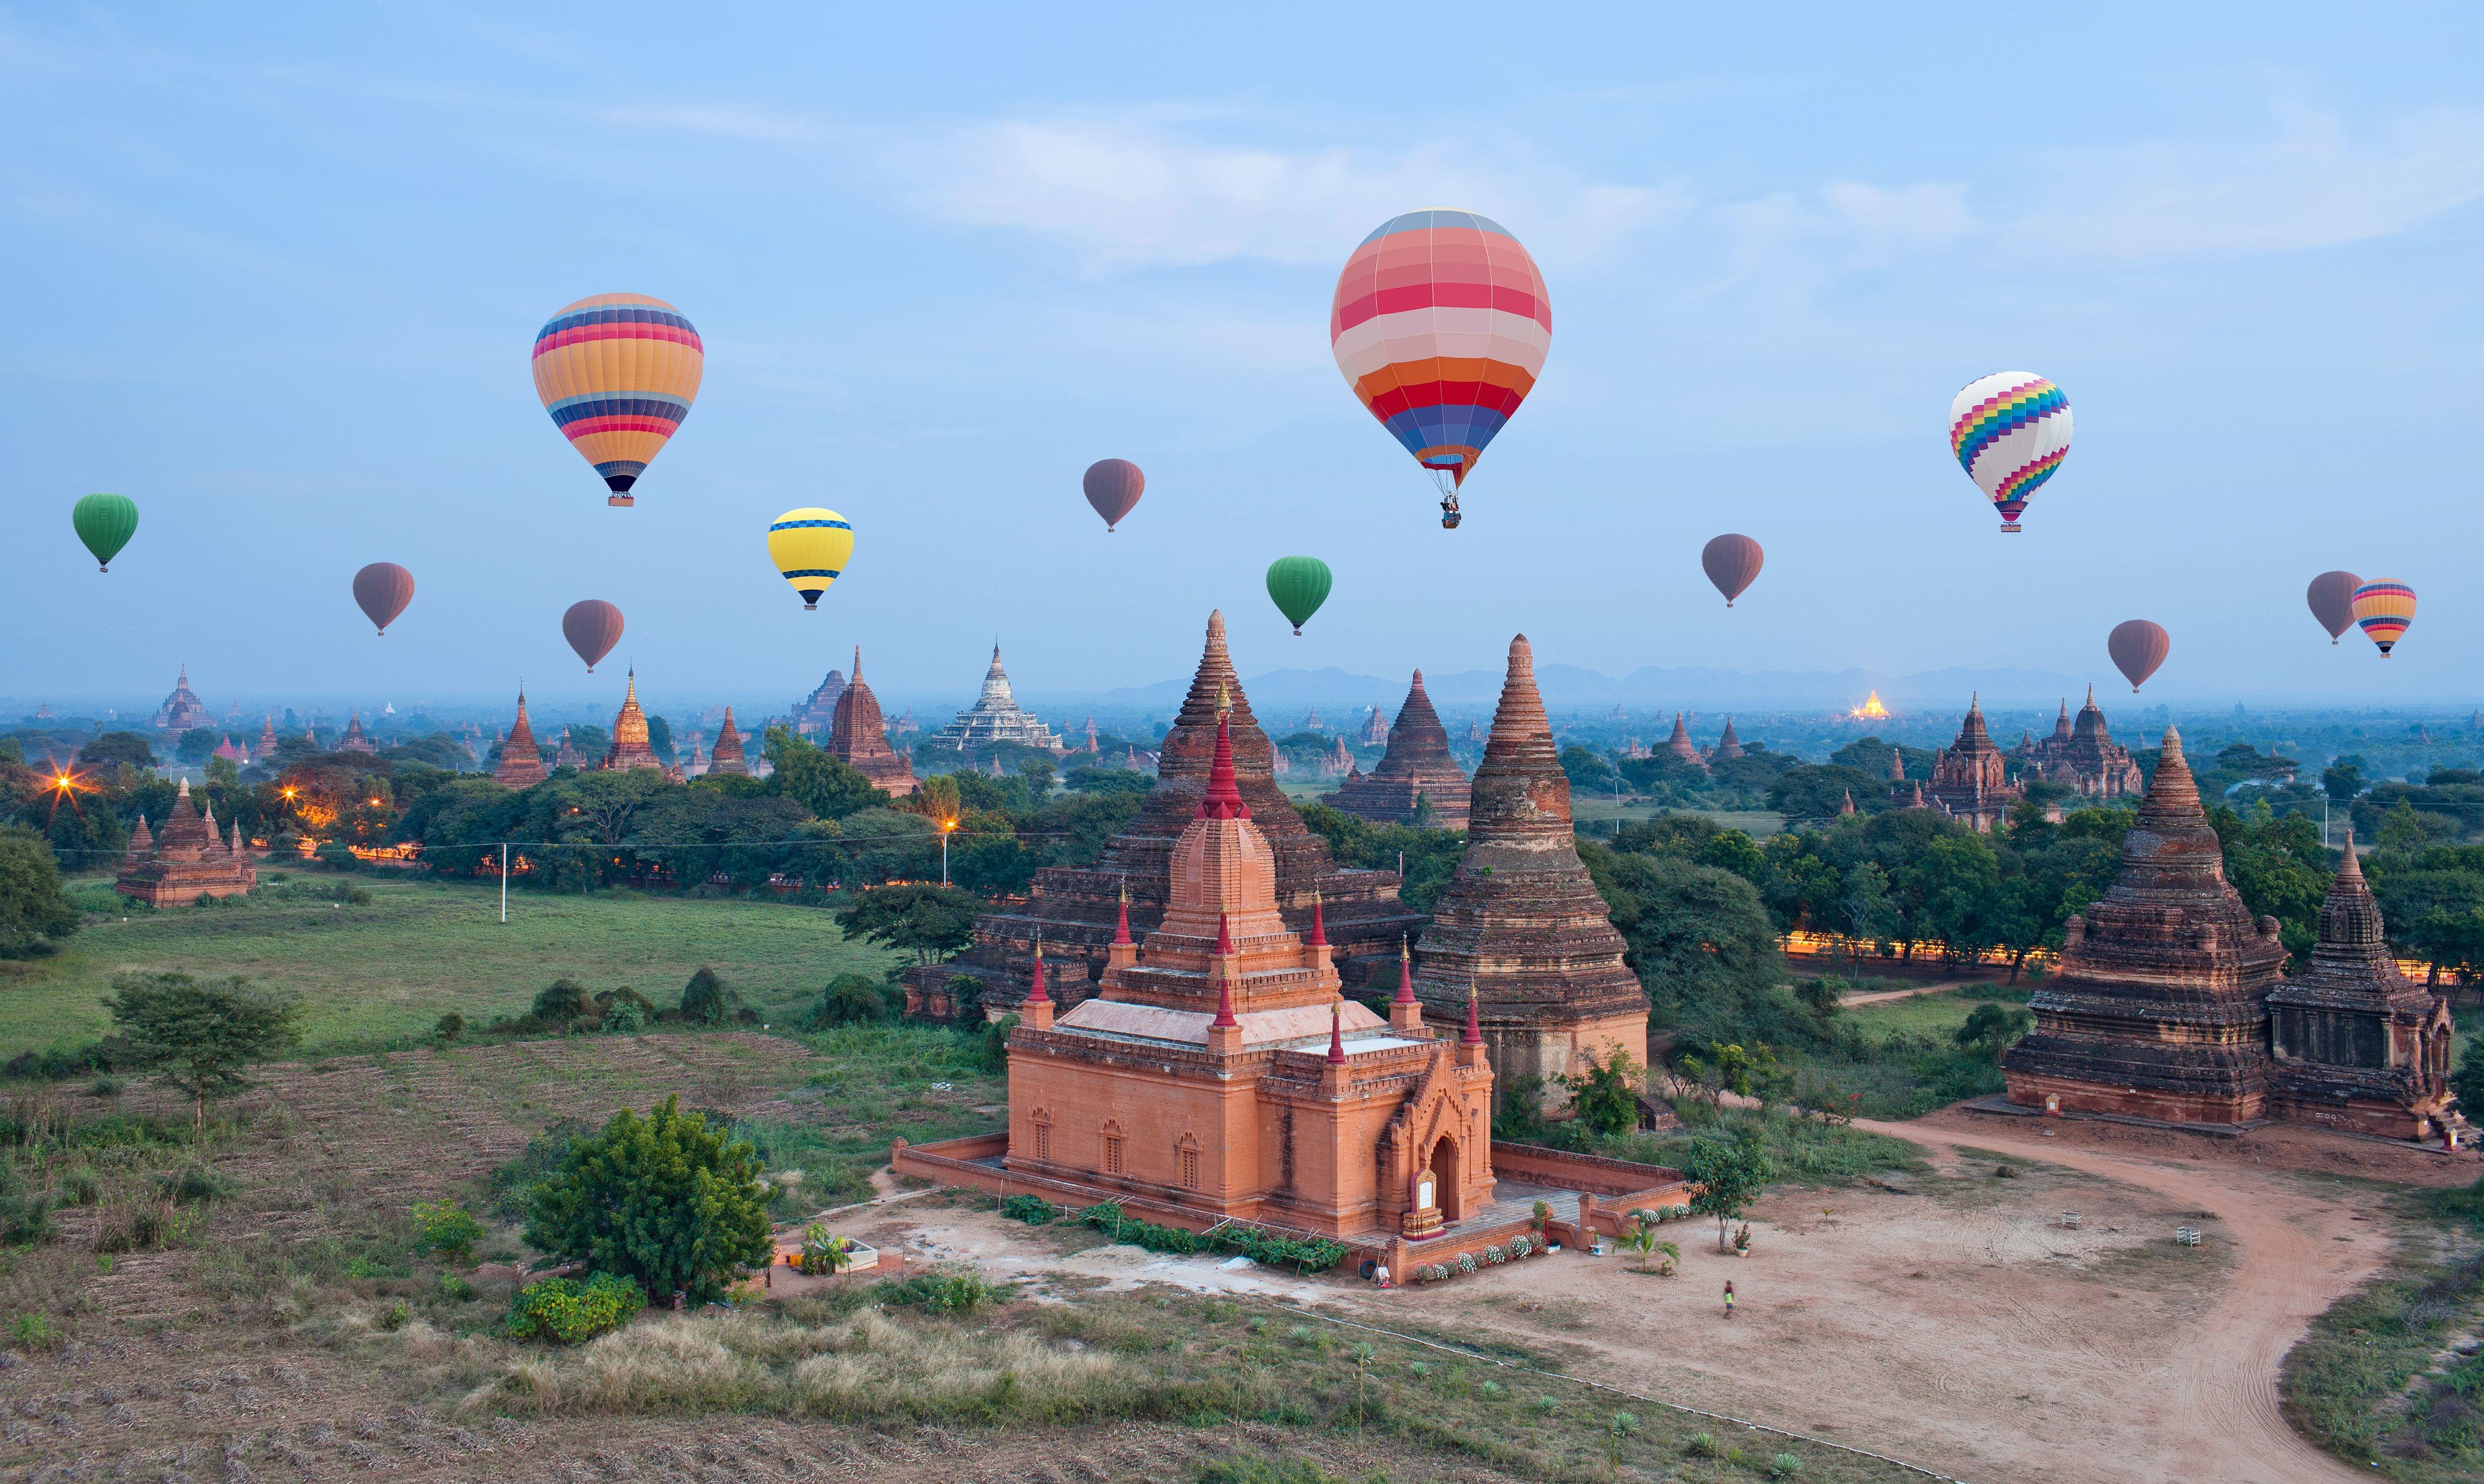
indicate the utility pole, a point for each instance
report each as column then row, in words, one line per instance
column 504, row 881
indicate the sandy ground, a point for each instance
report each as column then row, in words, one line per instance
column 1950, row 1319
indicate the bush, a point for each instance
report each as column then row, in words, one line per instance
column 626, row 1019
column 105, row 1086
column 571, row 1314
column 706, row 1001
column 24, row 1220
column 664, row 1201
column 442, row 1227
column 1784, row 1466
column 194, row 1183
column 451, row 1026
column 1033, row 1210
column 850, row 999
column 562, row 1002
column 941, row 1291
column 34, row 914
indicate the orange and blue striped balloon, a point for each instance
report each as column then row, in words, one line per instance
column 2382, row 610
column 618, row 374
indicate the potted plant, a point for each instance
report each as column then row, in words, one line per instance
column 1742, row 1240
column 823, row 1254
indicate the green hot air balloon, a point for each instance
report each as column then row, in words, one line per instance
column 1298, row 585
column 105, row 522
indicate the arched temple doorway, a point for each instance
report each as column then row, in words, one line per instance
column 1451, row 1191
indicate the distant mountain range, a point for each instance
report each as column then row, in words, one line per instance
column 1648, row 689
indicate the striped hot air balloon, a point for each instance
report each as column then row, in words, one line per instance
column 2011, row 432
column 1441, row 323
column 2383, row 609
column 810, row 548
column 618, row 374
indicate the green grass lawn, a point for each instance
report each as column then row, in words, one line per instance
column 387, row 970
column 1937, row 1016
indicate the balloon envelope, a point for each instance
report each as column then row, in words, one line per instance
column 105, row 522
column 2332, row 596
column 2138, row 647
column 618, row 374
column 810, row 548
column 383, row 590
column 1112, row 486
column 2383, row 608
column 592, row 628
column 1731, row 563
column 1441, row 324
column 2009, row 432
column 1298, row 585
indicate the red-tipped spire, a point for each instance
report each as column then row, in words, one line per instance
column 1122, row 928
column 1223, row 799
column 1225, row 1002
column 1319, row 930
column 1405, row 974
column 1336, row 1032
column 1034, row 994
column 1223, row 935
column 1474, row 1028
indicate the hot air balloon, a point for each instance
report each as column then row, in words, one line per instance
column 592, row 628
column 1113, row 487
column 810, row 548
column 1441, row 323
column 2332, row 596
column 1732, row 564
column 1298, row 585
column 618, row 374
column 2383, row 608
column 2011, row 432
column 2138, row 647
column 105, row 522
column 383, row 590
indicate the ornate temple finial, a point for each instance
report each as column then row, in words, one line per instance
column 1336, row 1032
column 1475, row 1027
column 1405, row 973
column 1223, row 799
column 1034, row 994
column 1223, row 935
column 1319, row 930
column 1122, row 927
column 1224, row 698
column 1225, row 1002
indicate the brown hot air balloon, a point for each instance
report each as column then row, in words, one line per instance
column 592, row 628
column 2332, row 596
column 383, row 590
column 2138, row 647
column 1113, row 487
column 1732, row 564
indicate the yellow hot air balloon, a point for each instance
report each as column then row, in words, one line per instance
column 618, row 374
column 810, row 548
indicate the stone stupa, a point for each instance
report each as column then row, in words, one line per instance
column 520, row 765
column 728, row 756
column 859, row 738
column 1416, row 765
column 630, row 746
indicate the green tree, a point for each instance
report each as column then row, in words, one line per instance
column 1586, row 769
column 706, row 1001
column 1960, row 878
column 2343, row 779
column 825, row 786
column 34, row 914
column 1604, row 1096
column 118, row 749
column 2467, row 1079
column 663, row 1201
column 197, row 1036
column 1696, row 933
column 850, row 999
column 929, row 922
column 1729, row 1177
column 1991, row 1029
column 1107, row 780
column 196, row 745
column 563, row 1001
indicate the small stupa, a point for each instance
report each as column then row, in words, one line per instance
column 1415, row 768
column 630, row 746
column 520, row 765
column 859, row 738
column 728, row 756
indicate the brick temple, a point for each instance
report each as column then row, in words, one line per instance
column 183, row 711
column 817, row 711
column 728, row 757
column 2159, row 1008
column 520, row 765
column 1218, row 1073
column 1416, row 769
column 2084, row 755
column 353, row 741
column 186, row 861
column 1970, row 776
column 630, row 746
column 1075, row 908
column 1521, row 926
column 859, row 738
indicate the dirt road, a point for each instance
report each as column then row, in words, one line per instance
column 2219, row 1416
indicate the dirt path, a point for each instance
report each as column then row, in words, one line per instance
column 2221, row 1413
column 1912, row 992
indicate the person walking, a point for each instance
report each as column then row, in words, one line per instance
column 1729, row 1298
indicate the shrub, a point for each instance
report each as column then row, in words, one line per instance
column 824, row 1253
column 706, row 1001
column 133, row 1229
column 940, row 1291
column 106, row 1086
column 563, row 1001
column 35, row 1332
column 1466, row 1262
column 192, row 1183
column 663, row 1201
column 1494, row 1256
column 625, row 1010
column 850, row 999
column 442, row 1227
column 1033, row 1210
column 24, row 1220
column 396, row 1316
column 571, row 1314
column 1784, row 1466
column 34, row 914
column 1700, row 1446
column 81, row 1185
column 451, row 1026
column 456, row 1289
column 625, row 1020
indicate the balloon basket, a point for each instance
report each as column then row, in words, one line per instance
column 2010, row 526
column 620, row 500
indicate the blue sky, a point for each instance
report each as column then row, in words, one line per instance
column 280, row 268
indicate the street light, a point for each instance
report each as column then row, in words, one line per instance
column 946, row 825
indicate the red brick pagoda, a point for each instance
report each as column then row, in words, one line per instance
column 817, row 711
column 1681, row 745
column 1970, row 778
column 1417, row 771
column 183, row 711
column 520, row 765
column 1075, row 908
column 1521, row 925
column 1728, row 745
column 188, row 861
column 630, row 748
column 2354, row 1043
column 2158, row 1007
column 353, row 741
column 2084, row 755
column 859, row 738
column 728, row 756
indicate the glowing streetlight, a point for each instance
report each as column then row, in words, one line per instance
column 946, row 825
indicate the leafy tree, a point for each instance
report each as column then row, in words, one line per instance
column 1698, row 936
column 706, row 1001
column 197, row 1036
column 827, row 787
column 1729, row 1177
column 663, row 1201
column 1586, row 769
column 2277, row 867
column 1991, row 1029
column 2343, row 779
column 196, row 745
column 563, row 1001
column 1808, row 792
column 34, row 914
column 2467, row 1080
column 1604, row 1096
column 850, row 999
column 1960, row 878
column 1107, row 780
column 929, row 922
column 2403, row 831
column 659, row 739
column 119, row 749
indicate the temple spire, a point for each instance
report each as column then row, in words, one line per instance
column 1475, row 1027
column 1121, row 923
column 1336, row 1032
column 1223, row 799
column 1405, row 974
column 1034, row 994
column 1319, row 929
